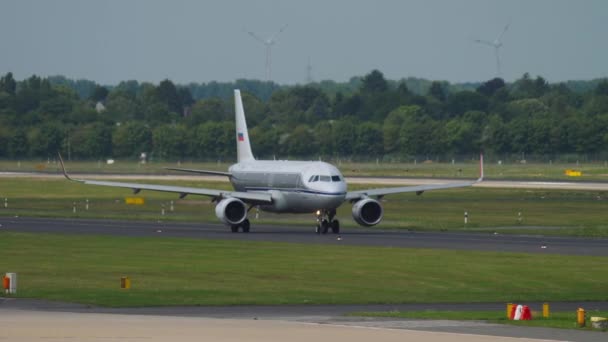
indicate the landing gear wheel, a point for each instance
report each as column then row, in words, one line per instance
column 318, row 229
column 245, row 226
column 234, row 228
column 324, row 226
column 335, row 227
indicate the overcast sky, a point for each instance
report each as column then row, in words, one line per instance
column 201, row 41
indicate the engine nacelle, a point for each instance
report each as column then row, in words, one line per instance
column 368, row 212
column 231, row 211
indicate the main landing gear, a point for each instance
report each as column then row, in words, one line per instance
column 326, row 221
column 243, row 225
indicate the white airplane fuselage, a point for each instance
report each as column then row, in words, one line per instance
column 295, row 186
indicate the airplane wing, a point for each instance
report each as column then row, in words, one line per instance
column 250, row 197
column 418, row 189
column 355, row 195
column 203, row 172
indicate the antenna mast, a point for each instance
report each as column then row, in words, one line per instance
column 308, row 72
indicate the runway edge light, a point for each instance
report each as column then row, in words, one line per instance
column 545, row 310
column 581, row 317
column 125, row 283
column 6, row 283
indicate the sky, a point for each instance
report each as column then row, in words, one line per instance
column 203, row 40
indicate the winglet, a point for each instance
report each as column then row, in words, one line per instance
column 65, row 173
column 480, row 168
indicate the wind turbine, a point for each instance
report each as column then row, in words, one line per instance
column 496, row 44
column 268, row 42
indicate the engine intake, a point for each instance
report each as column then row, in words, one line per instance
column 368, row 212
column 231, row 211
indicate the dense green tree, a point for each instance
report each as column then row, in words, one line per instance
column 208, row 110
column 324, row 136
column 18, row 145
column 368, row 140
column 91, row 141
column 490, row 87
column 365, row 116
column 215, row 140
column 416, row 134
column 47, row 140
column 464, row 101
column 5, row 138
column 255, row 109
column 344, row 135
column 391, row 130
column 265, row 141
column 301, row 142
column 8, row 84
column 99, row 94
column 526, row 87
column 169, row 141
column 121, row 107
column 131, row 139
column 167, row 94
column 437, row 91
column 374, row 82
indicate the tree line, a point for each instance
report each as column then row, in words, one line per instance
column 366, row 117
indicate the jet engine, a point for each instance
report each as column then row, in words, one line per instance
column 368, row 212
column 231, row 211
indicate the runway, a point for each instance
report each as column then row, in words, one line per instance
column 378, row 237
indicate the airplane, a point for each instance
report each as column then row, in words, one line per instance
column 282, row 186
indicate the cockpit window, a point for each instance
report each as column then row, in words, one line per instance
column 314, row 178
column 324, row 178
column 336, row 179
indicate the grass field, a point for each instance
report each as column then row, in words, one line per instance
column 565, row 320
column 556, row 212
column 597, row 171
column 172, row 271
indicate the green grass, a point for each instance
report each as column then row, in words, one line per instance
column 547, row 212
column 173, row 271
column 564, row 320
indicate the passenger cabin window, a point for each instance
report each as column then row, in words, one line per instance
column 325, row 178
column 335, row 179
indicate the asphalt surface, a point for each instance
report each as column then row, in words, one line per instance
column 334, row 315
column 16, row 325
column 356, row 237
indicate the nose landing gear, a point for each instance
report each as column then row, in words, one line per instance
column 326, row 221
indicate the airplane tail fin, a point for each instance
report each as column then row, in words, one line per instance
column 243, row 148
